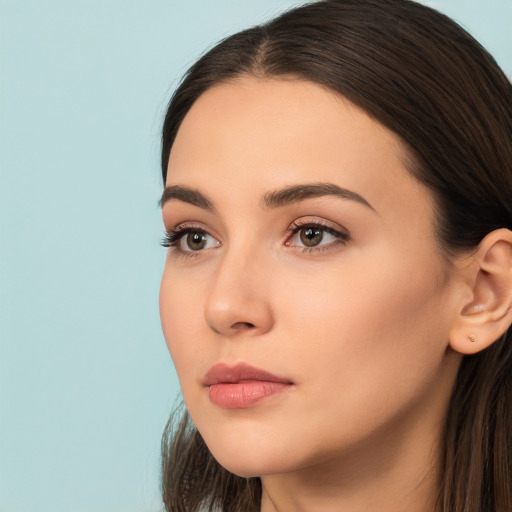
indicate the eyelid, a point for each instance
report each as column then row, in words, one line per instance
column 310, row 220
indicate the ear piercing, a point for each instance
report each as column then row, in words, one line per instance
column 472, row 338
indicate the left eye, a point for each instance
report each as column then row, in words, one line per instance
column 314, row 236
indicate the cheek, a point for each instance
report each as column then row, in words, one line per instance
column 180, row 305
column 366, row 322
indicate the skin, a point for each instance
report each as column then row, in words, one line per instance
column 360, row 323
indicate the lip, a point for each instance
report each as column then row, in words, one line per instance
column 242, row 386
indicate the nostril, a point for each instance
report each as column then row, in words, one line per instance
column 242, row 326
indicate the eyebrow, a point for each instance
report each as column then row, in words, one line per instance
column 187, row 195
column 299, row 193
column 275, row 199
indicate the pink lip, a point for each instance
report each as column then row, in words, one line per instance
column 242, row 386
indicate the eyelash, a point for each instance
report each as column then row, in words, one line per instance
column 172, row 238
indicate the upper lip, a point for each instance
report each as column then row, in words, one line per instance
column 241, row 372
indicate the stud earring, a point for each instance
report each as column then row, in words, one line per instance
column 472, row 338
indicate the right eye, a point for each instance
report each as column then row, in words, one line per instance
column 189, row 240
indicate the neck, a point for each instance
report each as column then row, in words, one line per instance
column 396, row 492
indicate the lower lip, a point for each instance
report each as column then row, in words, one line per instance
column 242, row 395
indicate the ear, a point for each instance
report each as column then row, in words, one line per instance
column 485, row 312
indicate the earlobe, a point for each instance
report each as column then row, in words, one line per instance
column 487, row 314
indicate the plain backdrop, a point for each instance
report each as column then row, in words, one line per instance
column 86, row 383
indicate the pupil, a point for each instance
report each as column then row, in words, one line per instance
column 311, row 236
column 196, row 241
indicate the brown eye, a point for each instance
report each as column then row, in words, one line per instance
column 311, row 236
column 183, row 239
column 196, row 240
column 316, row 237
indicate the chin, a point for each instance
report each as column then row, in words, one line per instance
column 247, row 460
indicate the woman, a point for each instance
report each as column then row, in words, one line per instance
column 337, row 295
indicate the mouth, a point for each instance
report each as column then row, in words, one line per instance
column 242, row 386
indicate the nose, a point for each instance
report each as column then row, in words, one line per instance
column 238, row 299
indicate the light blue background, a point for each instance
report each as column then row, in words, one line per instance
column 86, row 382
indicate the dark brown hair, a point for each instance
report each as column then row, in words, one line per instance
column 426, row 79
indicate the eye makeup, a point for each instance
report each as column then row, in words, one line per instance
column 315, row 235
column 189, row 240
column 308, row 234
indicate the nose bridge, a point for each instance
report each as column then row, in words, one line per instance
column 238, row 298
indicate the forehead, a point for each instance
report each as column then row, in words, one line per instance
column 253, row 135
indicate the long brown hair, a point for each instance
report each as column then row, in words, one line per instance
column 426, row 79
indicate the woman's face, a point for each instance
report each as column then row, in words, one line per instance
column 304, row 302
